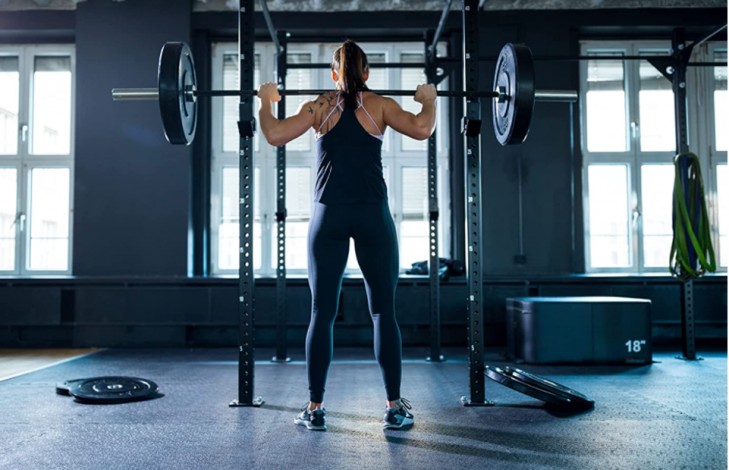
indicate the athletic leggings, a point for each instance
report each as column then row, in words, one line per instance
column 375, row 243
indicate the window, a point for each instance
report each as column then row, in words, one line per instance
column 628, row 147
column 36, row 159
column 720, row 114
column 610, row 233
column 404, row 161
column 605, row 96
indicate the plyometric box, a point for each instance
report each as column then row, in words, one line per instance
column 579, row 330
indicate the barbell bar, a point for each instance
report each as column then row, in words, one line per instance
column 142, row 94
column 513, row 93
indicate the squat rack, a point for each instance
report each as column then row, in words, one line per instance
column 246, row 127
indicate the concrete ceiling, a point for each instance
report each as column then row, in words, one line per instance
column 437, row 5
column 392, row 5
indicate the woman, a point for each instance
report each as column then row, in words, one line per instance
column 350, row 201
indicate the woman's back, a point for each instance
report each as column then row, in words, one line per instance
column 349, row 158
column 328, row 110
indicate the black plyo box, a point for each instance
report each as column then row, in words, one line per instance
column 579, row 330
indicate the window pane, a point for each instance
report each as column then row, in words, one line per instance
column 411, row 78
column 296, row 245
column 414, row 202
column 230, row 103
column 298, row 79
column 605, row 106
column 413, row 242
column 721, row 103
column 414, row 206
column 657, row 197
column 298, row 207
column 722, row 179
column 8, row 211
column 9, row 99
column 378, row 76
column 228, row 229
column 51, row 121
column 657, row 126
column 608, row 202
column 49, row 217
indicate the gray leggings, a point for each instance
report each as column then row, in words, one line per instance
column 375, row 243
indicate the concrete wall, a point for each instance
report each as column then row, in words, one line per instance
column 132, row 187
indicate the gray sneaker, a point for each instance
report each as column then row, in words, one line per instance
column 400, row 417
column 313, row 420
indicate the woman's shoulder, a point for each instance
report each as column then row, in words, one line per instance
column 372, row 100
column 371, row 96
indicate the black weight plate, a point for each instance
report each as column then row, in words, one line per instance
column 514, row 76
column 112, row 389
column 497, row 374
column 176, row 75
column 63, row 388
column 573, row 396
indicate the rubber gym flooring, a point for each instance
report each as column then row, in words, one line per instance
column 671, row 415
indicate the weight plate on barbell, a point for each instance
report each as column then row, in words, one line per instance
column 578, row 400
column 514, row 81
column 499, row 375
column 111, row 389
column 176, row 77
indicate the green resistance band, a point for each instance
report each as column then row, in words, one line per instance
column 683, row 227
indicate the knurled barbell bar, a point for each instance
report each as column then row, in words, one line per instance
column 513, row 93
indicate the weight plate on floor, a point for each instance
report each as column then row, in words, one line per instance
column 514, row 81
column 499, row 375
column 63, row 388
column 576, row 398
column 176, row 81
column 112, row 389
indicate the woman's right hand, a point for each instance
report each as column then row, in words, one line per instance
column 268, row 92
column 425, row 92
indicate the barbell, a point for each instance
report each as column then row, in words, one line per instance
column 513, row 93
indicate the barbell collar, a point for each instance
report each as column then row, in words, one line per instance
column 558, row 96
column 134, row 94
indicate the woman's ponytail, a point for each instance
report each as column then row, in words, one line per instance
column 350, row 62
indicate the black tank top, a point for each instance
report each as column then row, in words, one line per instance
column 349, row 164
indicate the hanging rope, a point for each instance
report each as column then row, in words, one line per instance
column 691, row 230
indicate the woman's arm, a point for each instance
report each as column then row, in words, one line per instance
column 418, row 126
column 281, row 132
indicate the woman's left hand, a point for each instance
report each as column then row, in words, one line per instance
column 268, row 92
column 425, row 92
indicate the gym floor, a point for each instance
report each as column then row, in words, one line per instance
column 671, row 414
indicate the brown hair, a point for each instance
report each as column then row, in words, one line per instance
column 350, row 63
